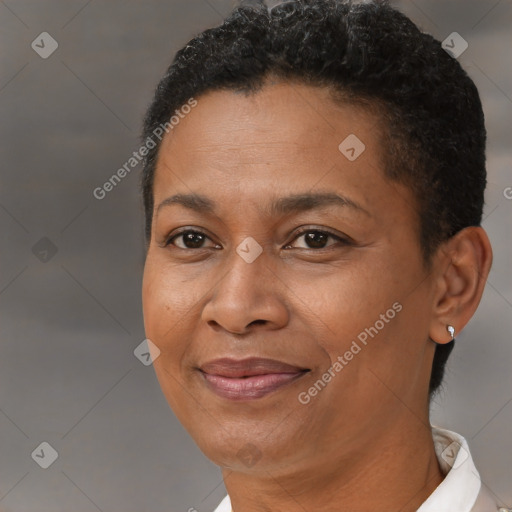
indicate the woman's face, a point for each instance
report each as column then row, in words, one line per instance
column 346, row 304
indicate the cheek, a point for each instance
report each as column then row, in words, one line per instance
column 363, row 315
column 342, row 303
column 165, row 307
column 167, row 304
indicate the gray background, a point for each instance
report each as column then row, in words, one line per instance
column 69, row 325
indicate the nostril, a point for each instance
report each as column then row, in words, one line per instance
column 258, row 322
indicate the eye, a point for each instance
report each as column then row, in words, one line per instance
column 190, row 239
column 317, row 239
column 313, row 238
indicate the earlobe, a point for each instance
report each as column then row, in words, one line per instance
column 442, row 335
column 463, row 263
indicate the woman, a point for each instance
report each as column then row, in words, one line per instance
column 314, row 245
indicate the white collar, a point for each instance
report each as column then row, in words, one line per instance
column 460, row 487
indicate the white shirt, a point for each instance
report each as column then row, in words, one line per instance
column 460, row 491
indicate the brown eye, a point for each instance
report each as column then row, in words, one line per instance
column 317, row 239
column 190, row 239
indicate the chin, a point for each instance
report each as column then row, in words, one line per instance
column 244, row 451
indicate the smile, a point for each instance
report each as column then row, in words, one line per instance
column 248, row 379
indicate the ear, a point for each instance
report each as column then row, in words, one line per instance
column 463, row 263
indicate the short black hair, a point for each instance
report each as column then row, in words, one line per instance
column 369, row 54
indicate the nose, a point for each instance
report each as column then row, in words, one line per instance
column 248, row 295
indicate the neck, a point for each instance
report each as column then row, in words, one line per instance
column 396, row 471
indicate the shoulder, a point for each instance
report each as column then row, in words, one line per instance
column 484, row 502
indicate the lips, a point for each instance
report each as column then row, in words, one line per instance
column 234, row 368
column 248, row 378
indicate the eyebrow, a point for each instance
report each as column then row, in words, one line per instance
column 282, row 206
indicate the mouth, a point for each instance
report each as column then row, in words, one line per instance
column 248, row 379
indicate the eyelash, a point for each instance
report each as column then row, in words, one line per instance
column 342, row 240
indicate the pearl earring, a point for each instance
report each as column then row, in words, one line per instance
column 451, row 330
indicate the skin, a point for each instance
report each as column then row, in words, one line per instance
column 363, row 442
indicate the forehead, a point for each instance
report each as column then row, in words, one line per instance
column 284, row 139
column 283, row 125
column 287, row 115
